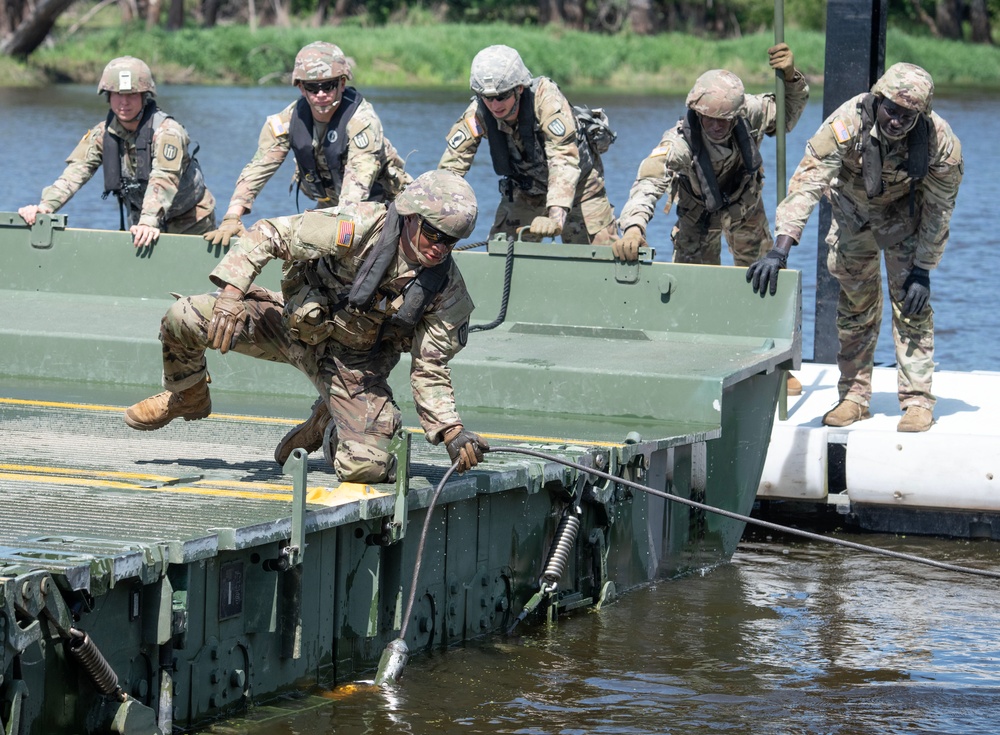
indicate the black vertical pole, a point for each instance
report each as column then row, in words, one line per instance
column 855, row 59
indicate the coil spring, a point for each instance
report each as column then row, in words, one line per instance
column 100, row 671
column 562, row 547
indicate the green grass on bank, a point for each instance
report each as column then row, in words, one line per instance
column 438, row 55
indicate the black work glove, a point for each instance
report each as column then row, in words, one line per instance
column 764, row 273
column 465, row 446
column 916, row 291
column 228, row 319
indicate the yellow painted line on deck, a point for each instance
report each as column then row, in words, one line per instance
column 120, row 409
column 185, row 489
column 274, row 420
column 318, row 494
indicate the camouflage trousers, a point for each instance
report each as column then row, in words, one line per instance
column 590, row 221
column 354, row 384
column 196, row 221
column 700, row 242
column 855, row 261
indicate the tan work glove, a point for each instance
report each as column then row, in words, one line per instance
column 549, row 225
column 465, row 446
column 781, row 59
column 627, row 246
column 231, row 227
column 228, row 319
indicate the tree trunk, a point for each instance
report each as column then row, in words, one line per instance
column 573, row 12
column 319, row 16
column 31, row 31
column 129, row 10
column 175, row 15
column 640, row 17
column 153, row 14
column 340, row 11
column 281, row 18
column 550, row 13
column 928, row 21
column 210, row 13
column 979, row 17
column 948, row 18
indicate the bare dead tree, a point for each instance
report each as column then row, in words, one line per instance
column 33, row 28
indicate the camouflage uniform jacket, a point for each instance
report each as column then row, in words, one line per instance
column 164, row 177
column 832, row 166
column 669, row 169
column 557, row 176
column 340, row 239
column 370, row 158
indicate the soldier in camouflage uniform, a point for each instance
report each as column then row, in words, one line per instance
column 710, row 165
column 551, row 178
column 362, row 284
column 891, row 168
column 150, row 167
column 341, row 154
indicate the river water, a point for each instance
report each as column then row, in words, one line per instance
column 789, row 637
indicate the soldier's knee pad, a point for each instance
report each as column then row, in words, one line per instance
column 357, row 462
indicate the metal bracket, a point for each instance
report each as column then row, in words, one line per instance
column 399, row 447
column 41, row 231
column 297, row 465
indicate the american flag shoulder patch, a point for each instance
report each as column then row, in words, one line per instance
column 840, row 130
column 345, row 233
column 278, row 128
column 661, row 150
column 472, row 123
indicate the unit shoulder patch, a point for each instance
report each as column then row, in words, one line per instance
column 457, row 138
column 557, row 127
column 169, row 151
column 361, row 140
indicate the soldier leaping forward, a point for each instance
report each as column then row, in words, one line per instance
column 369, row 282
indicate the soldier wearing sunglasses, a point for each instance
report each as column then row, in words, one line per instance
column 551, row 179
column 341, row 153
column 361, row 285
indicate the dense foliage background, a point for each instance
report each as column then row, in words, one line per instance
column 635, row 44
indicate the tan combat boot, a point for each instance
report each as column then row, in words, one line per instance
column 157, row 411
column 916, row 418
column 846, row 413
column 794, row 385
column 308, row 435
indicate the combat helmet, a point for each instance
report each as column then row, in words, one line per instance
column 444, row 199
column 908, row 86
column 497, row 69
column 127, row 75
column 320, row 60
column 717, row 93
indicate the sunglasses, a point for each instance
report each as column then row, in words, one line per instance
column 327, row 86
column 502, row 97
column 435, row 235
